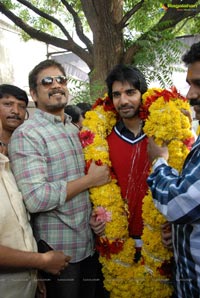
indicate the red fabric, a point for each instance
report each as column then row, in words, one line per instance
column 131, row 166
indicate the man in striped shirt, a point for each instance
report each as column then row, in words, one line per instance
column 178, row 196
column 48, row 163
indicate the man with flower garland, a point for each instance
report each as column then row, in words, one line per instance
column 178, row 196
column 128, row 145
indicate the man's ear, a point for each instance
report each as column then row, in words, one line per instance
column 33, row 96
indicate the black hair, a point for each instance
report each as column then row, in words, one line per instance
column 84, row 106
column 193, row 54
column 41, row 66
column 20, row 94
column 74, row 111
column 126, row 73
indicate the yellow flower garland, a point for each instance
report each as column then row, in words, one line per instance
column 122, row 277
column 166, row 123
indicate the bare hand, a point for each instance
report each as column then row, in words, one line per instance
column 97, row 226
column 166, row 235
column 99, row 175
column 54, row 261
column 155, row 151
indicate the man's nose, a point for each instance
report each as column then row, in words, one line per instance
column 124, row 97
column 15, row 109
column 55, row 84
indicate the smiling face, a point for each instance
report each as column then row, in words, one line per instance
column 193, row 79
column 126, row 99
column 50, row 98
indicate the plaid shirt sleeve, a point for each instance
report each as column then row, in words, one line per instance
column 30, row 169
column 178, row 196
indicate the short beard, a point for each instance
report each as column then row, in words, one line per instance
column 130, row 116
column 56, row 108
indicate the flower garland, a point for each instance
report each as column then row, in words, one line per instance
column 122, row 276
column 162, row 111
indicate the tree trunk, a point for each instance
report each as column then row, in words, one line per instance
column 107, row 39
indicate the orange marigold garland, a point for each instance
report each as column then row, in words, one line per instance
column 122, row 276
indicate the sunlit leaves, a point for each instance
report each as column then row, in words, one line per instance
column 158, row 58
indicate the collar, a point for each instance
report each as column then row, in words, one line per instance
column 52, row 118
column 123, row 130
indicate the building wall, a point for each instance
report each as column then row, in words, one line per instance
column 17, row 57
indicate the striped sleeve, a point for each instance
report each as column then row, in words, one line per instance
column 177, row 197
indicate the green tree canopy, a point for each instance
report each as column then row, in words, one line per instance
column 104, row 33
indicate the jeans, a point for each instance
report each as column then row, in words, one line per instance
column 78, row 280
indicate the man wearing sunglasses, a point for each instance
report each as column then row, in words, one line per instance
column 48, row 164
column 18, row 250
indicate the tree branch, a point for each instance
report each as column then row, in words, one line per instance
column 173, row 16
column 46, row 16
column 184, row 23
column 169, row 20
column 78, row 25
column 129, row 14
column 130, row 53
column 69, row 45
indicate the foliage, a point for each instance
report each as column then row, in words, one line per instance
column 188, row 27
column 79, row 90
column 146, row 17
column 144, row 34
column 161, row 55
column 82, row 91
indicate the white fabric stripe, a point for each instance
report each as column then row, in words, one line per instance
column 136, row 140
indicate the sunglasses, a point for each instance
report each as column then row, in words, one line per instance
column 47, row 81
